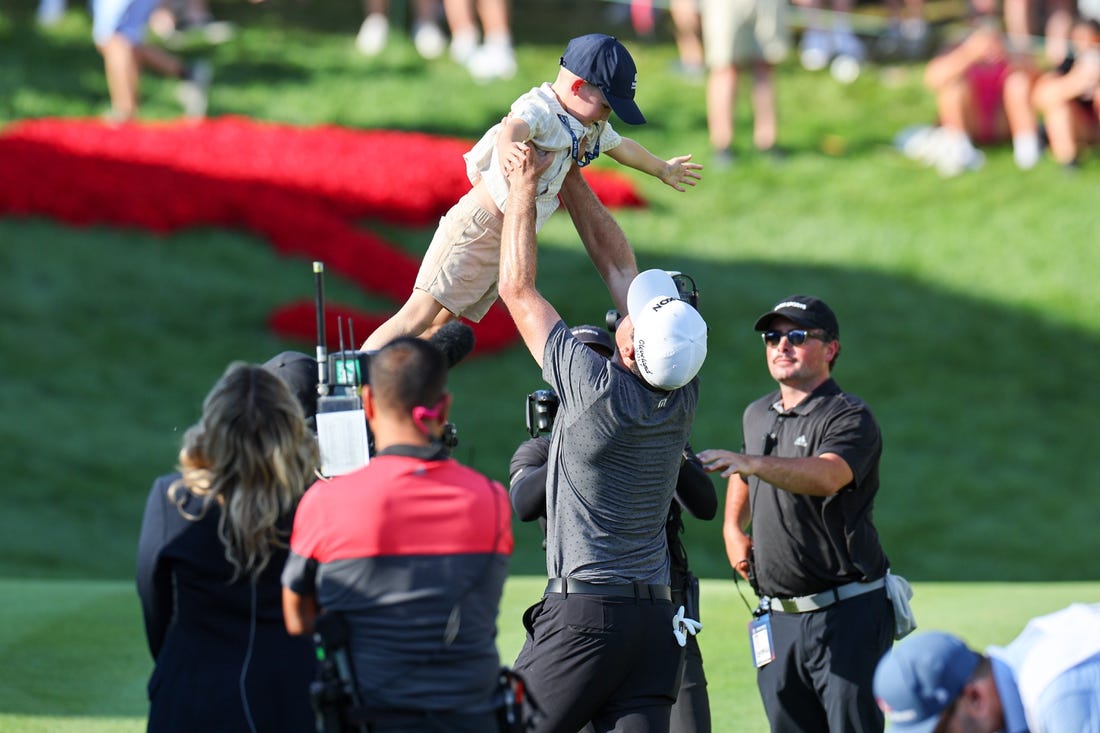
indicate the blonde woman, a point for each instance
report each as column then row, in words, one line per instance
column 213, row 544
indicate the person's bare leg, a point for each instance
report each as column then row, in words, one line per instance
column 420, row 313
column 494, row 20
column 444, row 317
column 1022, row 122
column 495, row 59
column 689, row 44
column 764, row 130
column 463, row 25
column 1060, row 132
column 428, row 38
column 120, row 65
column 1057, row 30
column 1058, row 113
column 427, row 11
column 1017, row 102
column 460, row 16
column 721, row 99
column 953, row 103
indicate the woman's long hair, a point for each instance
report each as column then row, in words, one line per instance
column 252, row 454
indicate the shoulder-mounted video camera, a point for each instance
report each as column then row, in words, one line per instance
column 542, row 407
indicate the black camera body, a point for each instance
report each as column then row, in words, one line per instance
column 542, row 407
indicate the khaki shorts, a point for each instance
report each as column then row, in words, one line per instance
column 739, row 32
column 461, row 266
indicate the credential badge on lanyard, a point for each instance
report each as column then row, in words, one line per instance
column 588, row 157
column 760, row 640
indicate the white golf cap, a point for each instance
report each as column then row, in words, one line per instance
column 670, row 337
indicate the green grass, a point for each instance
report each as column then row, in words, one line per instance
column 967, row 309
column 966, row 305
column 76, row 663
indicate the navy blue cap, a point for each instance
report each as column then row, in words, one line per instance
column 606, row 64
column 917, row 679
column 806, row 311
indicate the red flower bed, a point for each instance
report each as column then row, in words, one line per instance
column 304, row 190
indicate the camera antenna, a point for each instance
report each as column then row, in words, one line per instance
column 351, row 343
column 322, row 357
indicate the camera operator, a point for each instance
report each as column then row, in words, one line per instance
column 694, row 493
column 411, row 551
column 600, row 644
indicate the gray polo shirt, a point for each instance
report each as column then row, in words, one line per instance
column 615, row 454
column 807, row 544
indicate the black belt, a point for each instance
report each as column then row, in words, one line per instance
column 565, row 586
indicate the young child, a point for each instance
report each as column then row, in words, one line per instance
column 569, row 117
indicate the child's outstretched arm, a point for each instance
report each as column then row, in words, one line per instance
column 676, row 172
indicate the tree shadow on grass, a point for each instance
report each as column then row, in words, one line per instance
column 973, row 397
column 985, row 473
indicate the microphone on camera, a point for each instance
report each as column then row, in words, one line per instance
column 455, row 339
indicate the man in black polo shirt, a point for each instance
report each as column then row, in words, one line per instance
column 806, row 479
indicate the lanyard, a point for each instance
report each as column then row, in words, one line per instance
column 588, row 156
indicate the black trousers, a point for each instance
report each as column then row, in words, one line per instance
column 607, row 659
column 691, row 711
column 821, row 679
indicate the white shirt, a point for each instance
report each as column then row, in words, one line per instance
column 1046, row 649
column 553, row 130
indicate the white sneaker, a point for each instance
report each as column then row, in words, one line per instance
column 954, row 154
column 815, row 50
column 429, row 40
column 1026, row 150
column 845, row 69
column 463, row 46
column 194, row 93
column 372, row 35
column 850, row 55
column 914, row 141
column 492, row 61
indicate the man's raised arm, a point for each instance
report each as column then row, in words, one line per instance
column 602, row 236
column 534, row 316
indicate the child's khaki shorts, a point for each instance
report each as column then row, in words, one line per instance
column 462, row 263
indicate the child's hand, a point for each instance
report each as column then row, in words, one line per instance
column 678, row 172
column 513, row 157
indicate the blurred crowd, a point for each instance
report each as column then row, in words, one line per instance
column 1023, row 73
column 1026, row 75
column 1016, row 72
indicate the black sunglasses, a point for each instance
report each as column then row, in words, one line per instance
column 795, row 337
